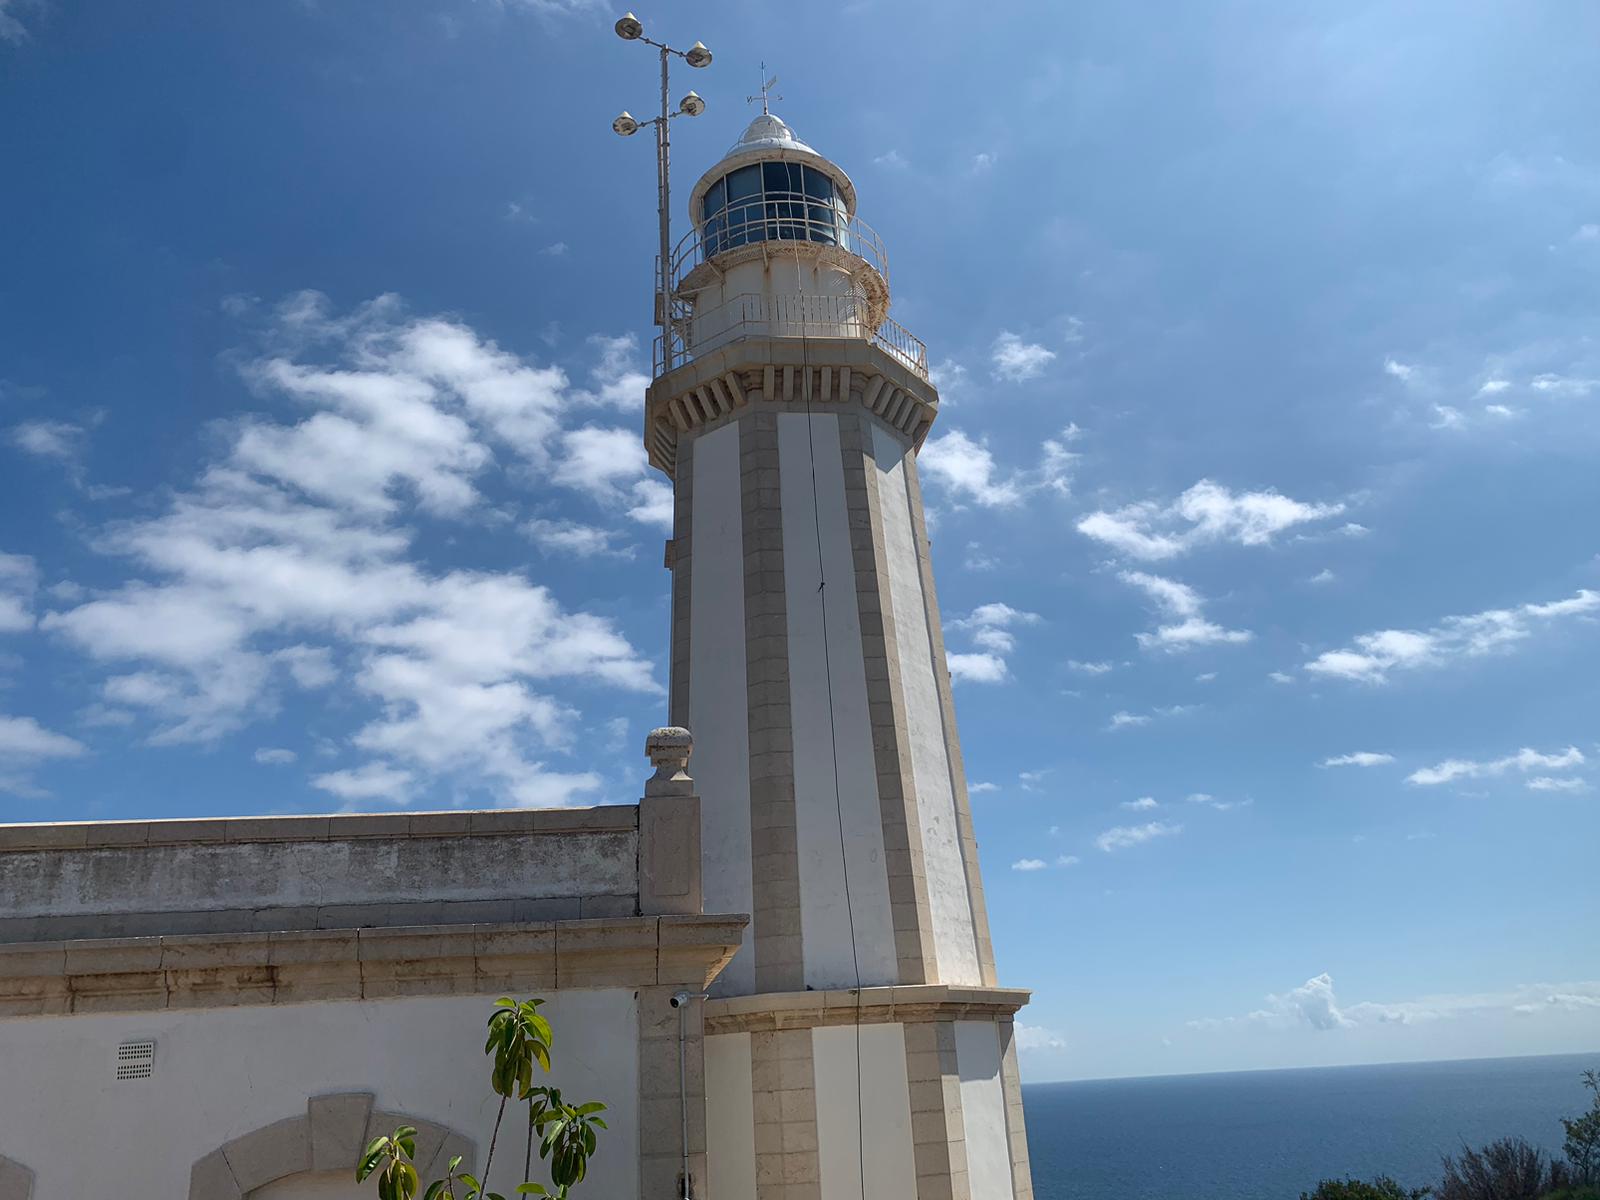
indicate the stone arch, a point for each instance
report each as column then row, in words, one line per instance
column 329, row 1136
column 16, row 1180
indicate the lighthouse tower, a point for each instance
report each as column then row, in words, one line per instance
column 858, row 1045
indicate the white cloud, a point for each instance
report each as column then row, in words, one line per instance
column 1315, row 1006
column 49, row 439
column 289, row 562
column 372, row 781
column 1030, row 780
column 1066, row 860
column 11, row 29
column 1127, row 720
column 990, row 628
column 978, row 789
column 1089, row 668
column 1205, row 677
column 1399, row 370
column 1523, row 760
column 892, row 158
column 1034, row 1038
column 1323, row 576
column 1493, row 387
column 555, row 250
column 1210, row 801
column 1123, row 836
column 1015, row 360
column 983, row 161
column 19, row 581
column 967, row 469
column 1548, row 783
column 1142, row 804
column 977, row 668
column 1373, row 655
column 1205, row 513
column 1359, row 758
column 1587, row 233
column 24, row 740
column 1279, row 677
column 1029, row 864
column 1180, row 601
column 275, row 756
column 24, row 745
column 575, row 538
column 1563, row 385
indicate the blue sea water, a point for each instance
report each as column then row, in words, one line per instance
column 1269, row 1135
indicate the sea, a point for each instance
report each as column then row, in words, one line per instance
column 1269, row 1135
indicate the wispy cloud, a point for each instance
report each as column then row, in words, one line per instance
column 892, row 158
column 1029, row 864
column 19, row 581
column 289, row 563
column 1189, row 628
column 24, row 745
column 1359, row 758
column 1314, row 1005
column 1090, row 668
column 990, row 627
column 1206, row 513
column 1142, row 804
column 1523, row 760
column 1372, row 656
column 576, row 538
column 967, row 469
column 1123, row 836
column 1015, row 360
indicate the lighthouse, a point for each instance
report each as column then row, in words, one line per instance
column 858, row 1045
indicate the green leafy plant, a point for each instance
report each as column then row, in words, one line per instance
column 519, row 1040
column 1582, row 1146
column 1380, row 1188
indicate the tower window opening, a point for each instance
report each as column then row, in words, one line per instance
column 772, row 202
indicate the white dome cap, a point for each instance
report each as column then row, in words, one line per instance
column 767, row 132
column 769, row 139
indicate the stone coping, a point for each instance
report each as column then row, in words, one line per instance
column 907, row 1004
column 227, row 970
column 80, row 835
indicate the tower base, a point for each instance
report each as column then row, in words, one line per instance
column 893, row 1093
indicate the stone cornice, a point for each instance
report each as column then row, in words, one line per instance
column 912, row 1004
column 226, row 970
column 716, row 385
column 339, row 827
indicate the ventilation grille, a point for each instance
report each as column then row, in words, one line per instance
column 136, row 1060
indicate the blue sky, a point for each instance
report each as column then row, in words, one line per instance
column 1264, row 497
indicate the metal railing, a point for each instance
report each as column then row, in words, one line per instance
column 787, row 316
column 777, row 218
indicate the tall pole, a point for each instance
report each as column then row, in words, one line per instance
column 663, row 295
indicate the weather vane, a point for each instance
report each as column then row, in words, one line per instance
column 766, row 92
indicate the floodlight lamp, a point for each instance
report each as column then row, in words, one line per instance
column 628, row 28
column 691, row 105
column 698, row 55
column 625, row 125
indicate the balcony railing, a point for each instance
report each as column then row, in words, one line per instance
column 777, row 218
column 793, row 316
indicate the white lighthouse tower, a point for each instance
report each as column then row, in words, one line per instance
column 858, row 1045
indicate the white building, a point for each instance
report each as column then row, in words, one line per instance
column 228, row 1009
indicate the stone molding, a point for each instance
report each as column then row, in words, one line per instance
column 330, row 1136
column 829, row 372
column 16, row 1180
column 908, row 1005
column 227, row 970
column 81, row 835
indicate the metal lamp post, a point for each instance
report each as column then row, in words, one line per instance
column 630, row 30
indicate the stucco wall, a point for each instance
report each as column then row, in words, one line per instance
column 224, row 1072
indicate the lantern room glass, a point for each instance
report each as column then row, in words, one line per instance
column 772, row 202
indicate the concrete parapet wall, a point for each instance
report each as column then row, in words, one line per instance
column 248, row 874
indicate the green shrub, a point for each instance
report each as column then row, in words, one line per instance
column 1381, row 1188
